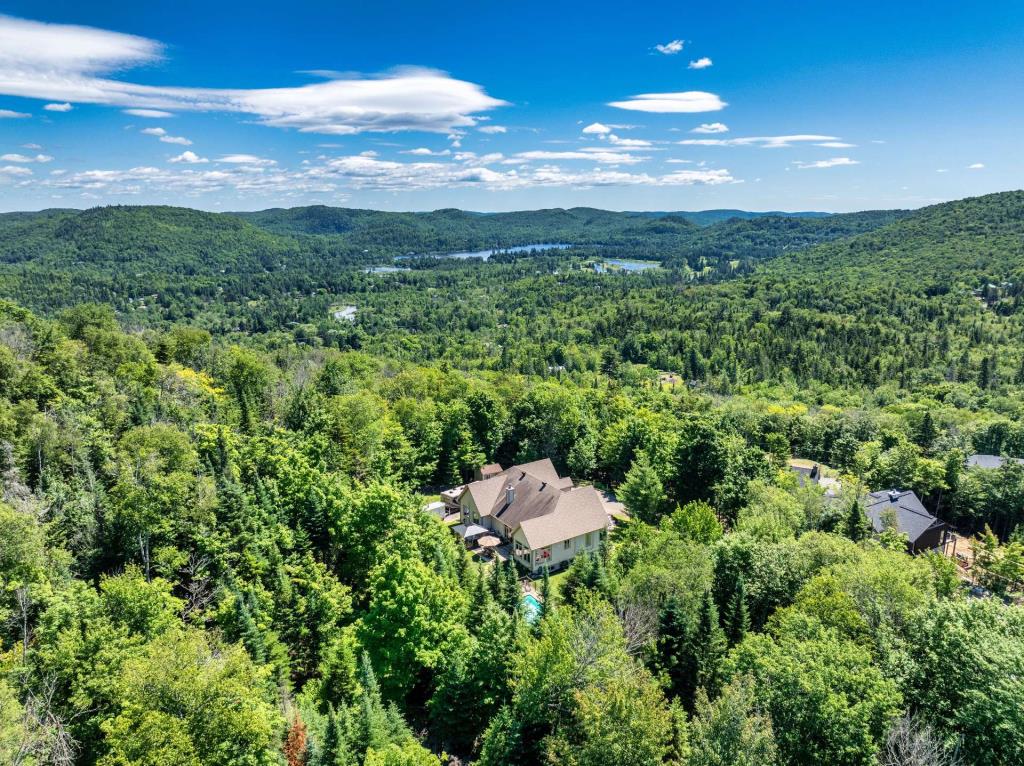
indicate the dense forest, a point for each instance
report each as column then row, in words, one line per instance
column 212, row 544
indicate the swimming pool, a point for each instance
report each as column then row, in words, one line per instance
column 531, row 608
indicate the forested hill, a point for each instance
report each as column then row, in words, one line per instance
column 448, row 230
column 936, row 248
column 174, row 260
column 707, row 217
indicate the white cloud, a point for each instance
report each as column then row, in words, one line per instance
column 246, row 159
column 369, row 173
column 627, row 142
column 68, row 63
column 836, row 145
column 34, row 147
column 670, row 48
column 65, row 107
column 248, row 175
column 596, row 128
column 672, row 103
column 425, row 152
column 767, row 142
column 153, row 114
column 492, row 129
column 603, row 156
column 711, row 127
column 22, row 158
column 976, row 166
column 832, row 163
column 942, row 170
column 7, row 114
column 167, row 139
column 702, row 63
column 189, row 157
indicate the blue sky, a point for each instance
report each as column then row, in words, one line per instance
column 502, row 106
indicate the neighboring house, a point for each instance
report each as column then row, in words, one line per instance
column 990, row 461
column 923, row 530
column 546, row 519
column 807, row 471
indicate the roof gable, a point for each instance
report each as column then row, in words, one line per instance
column 578, row 512
column 912, row 518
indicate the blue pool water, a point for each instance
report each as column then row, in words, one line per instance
column 531, row 608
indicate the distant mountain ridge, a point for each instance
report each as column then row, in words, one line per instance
column 708, row 217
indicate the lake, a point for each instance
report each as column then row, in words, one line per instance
column 385, row 269
column 486, row 254
column 618, row 264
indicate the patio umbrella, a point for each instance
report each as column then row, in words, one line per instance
column 488, row 541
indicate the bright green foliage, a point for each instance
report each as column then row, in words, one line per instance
column 181, row 702
column 827, row 702
column 642, row 491
column 731, row 730
column 978, row 696
column 411, row 623
column 578, row 694
column 696, row 521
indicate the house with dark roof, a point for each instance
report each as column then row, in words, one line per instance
column 810, row 472
column 545, row 518
column 991, row 462
column 924, row 531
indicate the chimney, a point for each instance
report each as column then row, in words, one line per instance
column 510, row 494
column 894, row 495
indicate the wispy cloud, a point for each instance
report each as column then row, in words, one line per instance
column 711, row 127
column 702, row 63
column 68, row 63
column 8, row 114
column 603, row 156
column 670, row 48
column 152, row 114
column 672, row 103
column 167, row 139
column 245, row 175
column 423, row 151
column 246, row 159
column 627, row 142
column 23, row 158
column 832, row 163
column 976, row 166
column 767, row 142
column 65, row 107
column 493, row 129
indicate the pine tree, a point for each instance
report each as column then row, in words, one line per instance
column 708, row 646
column 546, row 596
column 737, row 618
column 927, row 432
column 985, row 374
column 510, row 587
column 673, row 649
column 857, row 525
column 374, row 726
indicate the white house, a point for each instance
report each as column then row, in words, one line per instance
column 546, row 519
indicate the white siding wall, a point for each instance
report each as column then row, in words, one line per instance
column 560, row 554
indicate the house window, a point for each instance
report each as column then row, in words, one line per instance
column 589, row 539
column 568, row 544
